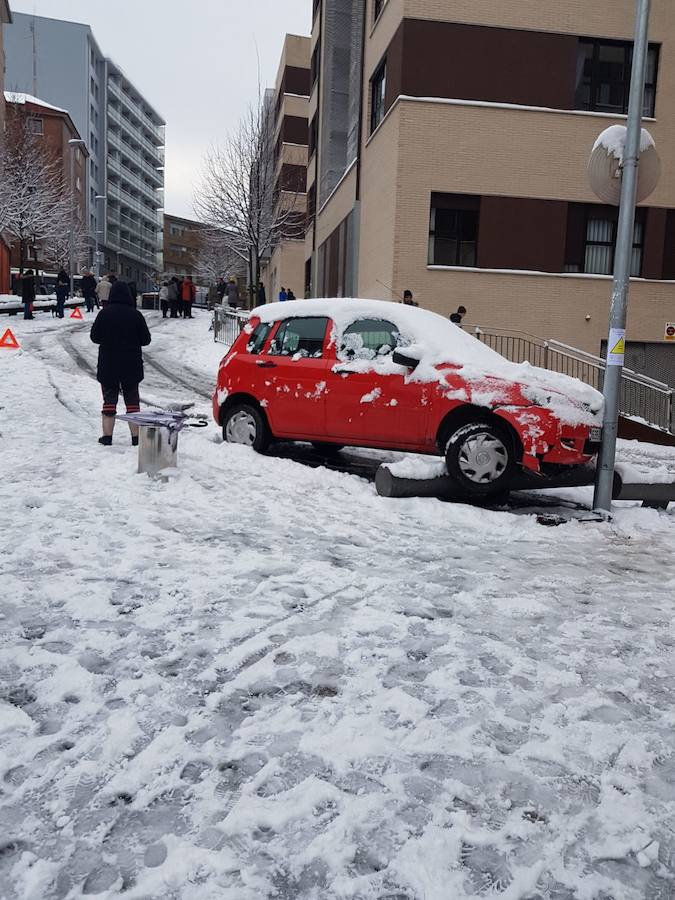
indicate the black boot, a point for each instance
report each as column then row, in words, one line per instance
column 106, row 440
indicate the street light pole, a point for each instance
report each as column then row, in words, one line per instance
column 97, row 263
column 604, row 480
column 72, row 143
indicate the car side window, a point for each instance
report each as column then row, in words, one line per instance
column 368, row 339
column 259, row 336
column 300, row 337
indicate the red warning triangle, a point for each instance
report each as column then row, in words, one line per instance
column 76, row 313
column 9, row 341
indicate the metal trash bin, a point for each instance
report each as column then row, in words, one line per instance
column 158, row 436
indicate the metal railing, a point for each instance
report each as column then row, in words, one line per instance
column 228, row 323
column 641, row 397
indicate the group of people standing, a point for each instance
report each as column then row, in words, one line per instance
column 95, row 293
column 176, row 297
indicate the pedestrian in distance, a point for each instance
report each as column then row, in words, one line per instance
column 121, row 332
column 133, row 291
column 173, row 297
column 89, row 290
column 188, row 295
column 103, row 290
column 456, row 317
column 232, row 294
column 408, row 298
column 290, row 295
column 283, row 296
column 262, row 296
column 62, row 290
column 221, row 289
column 28, row 293
column 164, row 298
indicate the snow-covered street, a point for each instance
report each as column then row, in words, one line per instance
column 261, row 680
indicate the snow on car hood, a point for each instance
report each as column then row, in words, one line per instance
column 439, row 341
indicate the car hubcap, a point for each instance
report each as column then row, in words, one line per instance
column 241, row 429
column 483, row 458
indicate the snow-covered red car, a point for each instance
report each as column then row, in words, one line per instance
column 369, row 373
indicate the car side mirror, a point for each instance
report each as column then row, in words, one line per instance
column 403, row 359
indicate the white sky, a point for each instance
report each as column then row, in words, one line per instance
column 196, row 61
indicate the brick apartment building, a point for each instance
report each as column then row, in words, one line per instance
column 55, row 127
column 5, row 19
column 182, row 245
column 290, row 131
column 448, row 149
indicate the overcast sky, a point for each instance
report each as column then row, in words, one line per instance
column 196, row 61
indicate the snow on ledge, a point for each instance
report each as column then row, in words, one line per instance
column 536, row 272
column 17, row 97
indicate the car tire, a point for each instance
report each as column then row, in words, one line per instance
column 480, row 458
column 244, row 423
column 327, row 449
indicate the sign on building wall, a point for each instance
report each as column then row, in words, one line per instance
column 669, row 333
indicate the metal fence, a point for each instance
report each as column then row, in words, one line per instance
column 641, row 397
column 228, row 323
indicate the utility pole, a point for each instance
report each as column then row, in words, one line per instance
column 604, row 481
column 97, row 263
column 72, row 143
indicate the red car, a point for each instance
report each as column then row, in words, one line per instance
column 368, row 373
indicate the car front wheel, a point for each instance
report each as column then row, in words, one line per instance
column 244, row 424
column 480, row 458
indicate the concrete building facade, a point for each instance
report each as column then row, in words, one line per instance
column 5, row 19
column 62, row 63
column 290, row 135
column 460, row 170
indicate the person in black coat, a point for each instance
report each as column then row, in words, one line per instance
column 89, row 290
column 62, row 290
column 121, row 331
column 28, row 294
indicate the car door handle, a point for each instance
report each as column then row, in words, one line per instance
column 265, row 363
column 339, row 371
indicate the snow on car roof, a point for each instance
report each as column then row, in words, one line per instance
column 440, row 340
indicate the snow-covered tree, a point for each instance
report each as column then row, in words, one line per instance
column 238, row 195
column 215, row 258
column 35, row 203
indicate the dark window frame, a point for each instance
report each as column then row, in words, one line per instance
column 275, row 350
column 594, row 82
column 255, row 344
column 378, row 94
column 387, row 328
column 378, row 6
column 464, row 211
column 640, row 223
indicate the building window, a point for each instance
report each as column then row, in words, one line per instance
column 453, row 231
column 35, row 125
column 315, row 63
column 378, row 86
column 600, row 245
column 378, row 6
column 603, row 76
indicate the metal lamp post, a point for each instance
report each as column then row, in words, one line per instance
column 97, row 262
column 602, row 500
column 72, row 143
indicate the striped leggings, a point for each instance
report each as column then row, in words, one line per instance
column 111, row 393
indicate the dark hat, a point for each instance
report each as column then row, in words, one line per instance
column 120, row 293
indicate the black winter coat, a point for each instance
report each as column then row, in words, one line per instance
column 121, row 331
column 28, row 288
column 88, row 285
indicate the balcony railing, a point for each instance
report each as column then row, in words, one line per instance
column 136, row 111
column 132, row 135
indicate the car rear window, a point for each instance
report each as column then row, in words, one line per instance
column 300, row 337
column 368, row 338
column 259, row 336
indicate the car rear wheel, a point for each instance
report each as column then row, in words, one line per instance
column 244, row 424
column 480, row 458
column 327, row 449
